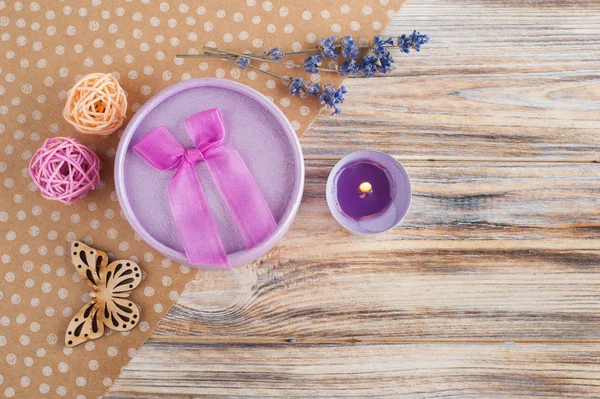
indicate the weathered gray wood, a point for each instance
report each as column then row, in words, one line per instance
column 186, row 370
column 499, row 79
column 508, row 251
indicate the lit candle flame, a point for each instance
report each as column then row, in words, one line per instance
column 364, row 189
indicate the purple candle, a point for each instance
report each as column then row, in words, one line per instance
column 368, row 192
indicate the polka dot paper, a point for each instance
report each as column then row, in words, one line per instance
column 45, row 47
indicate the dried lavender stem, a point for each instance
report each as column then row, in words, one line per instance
column 267, row 72
column 256, row 58
column 251, row 57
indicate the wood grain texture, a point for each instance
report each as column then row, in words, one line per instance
column 498, row 80
column 489, row 288
column 180, row 370
column 504, row 252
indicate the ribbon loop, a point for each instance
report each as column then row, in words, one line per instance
column 194, row 220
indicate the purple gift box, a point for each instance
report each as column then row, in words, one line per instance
column 253, row 126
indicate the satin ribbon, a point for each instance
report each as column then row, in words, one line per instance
column 195, row 223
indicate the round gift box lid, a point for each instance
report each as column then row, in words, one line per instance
column 253, row 125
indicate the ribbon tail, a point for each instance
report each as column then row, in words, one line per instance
column 241, row 194
column 194, row 220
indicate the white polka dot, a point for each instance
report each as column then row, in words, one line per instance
column 25, row 381
column 24, row 340
column 112, row 233
column 63, row 367
column 46, row 287
column 63, row 293
column 144, row 326
column 81, row 381
column 93, row 364
column 44, row 388
column 112, row 351
column 11, row 359
column 158, row 308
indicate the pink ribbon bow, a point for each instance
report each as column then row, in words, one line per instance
column 195, row 223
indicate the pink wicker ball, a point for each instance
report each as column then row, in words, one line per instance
column 64, row 169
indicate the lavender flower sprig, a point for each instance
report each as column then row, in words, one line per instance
column 377, row 58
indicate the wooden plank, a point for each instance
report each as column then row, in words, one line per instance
column 504, row 252
column 498, row 80
column 183, row 370
column 413, row 294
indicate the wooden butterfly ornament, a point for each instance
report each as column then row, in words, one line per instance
column 109, row 307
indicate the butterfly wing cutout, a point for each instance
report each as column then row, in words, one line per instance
column 88, row 262
column 118, row 279
column 85, row 325
column 110, row 306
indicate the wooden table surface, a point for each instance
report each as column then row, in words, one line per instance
column 490, row 287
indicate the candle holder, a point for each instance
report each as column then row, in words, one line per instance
column 368, row 192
